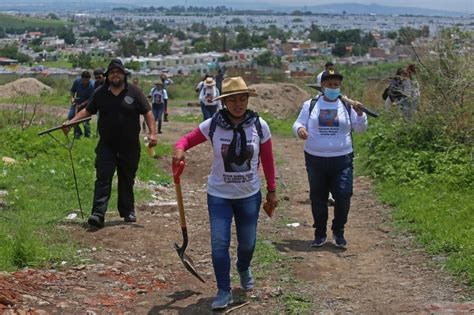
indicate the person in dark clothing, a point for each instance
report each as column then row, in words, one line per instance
column 81, row 92
column 395, row 94
column 166, row 82
column 219, row 78
column 120, row 105
column 99, row 77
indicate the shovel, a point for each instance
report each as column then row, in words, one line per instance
column 187, row 261
column 68, row 145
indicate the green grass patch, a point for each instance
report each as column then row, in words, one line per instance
column 267, row 259
column 440, row 217
column 183, row 88
column 281, row 127
column 296, row 303
column 60, row 63
column 187, row 118
column 17, row 22
column 41, row 193
column 429, row 180
column 55, row 98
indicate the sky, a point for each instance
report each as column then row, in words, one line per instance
column 448, row 5
column 466, row 6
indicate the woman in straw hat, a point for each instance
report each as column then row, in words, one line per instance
column 239, row 139
column 208, row 98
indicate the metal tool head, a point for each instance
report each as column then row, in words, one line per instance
column 187, row 261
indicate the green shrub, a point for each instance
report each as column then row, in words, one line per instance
column 423, row 164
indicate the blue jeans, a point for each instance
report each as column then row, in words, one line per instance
column 208, row 111
column 327, row 174
column 77, row 128
column 158, row 110
column 221, row 212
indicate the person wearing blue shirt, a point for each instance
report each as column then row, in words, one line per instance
column 81, row 92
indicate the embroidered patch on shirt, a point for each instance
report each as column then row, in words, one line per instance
column 128, row 99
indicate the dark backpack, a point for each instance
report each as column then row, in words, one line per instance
column 213, row 127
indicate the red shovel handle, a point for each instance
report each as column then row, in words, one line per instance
column 177, row 171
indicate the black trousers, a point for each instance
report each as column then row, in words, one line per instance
column 327, row 174
column 107, row 161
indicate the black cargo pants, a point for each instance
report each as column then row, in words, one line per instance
column 107, row 161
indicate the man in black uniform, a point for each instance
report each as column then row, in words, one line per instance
column 120, row 105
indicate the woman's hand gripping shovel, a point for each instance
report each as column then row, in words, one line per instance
column 187, row 261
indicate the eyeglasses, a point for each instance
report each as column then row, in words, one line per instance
column 98, row 77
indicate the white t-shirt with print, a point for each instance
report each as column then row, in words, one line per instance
column 329, row 128
column 239, row 178
column 158, row 96
column 207, row 94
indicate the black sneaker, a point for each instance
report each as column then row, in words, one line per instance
column 339, row 240
column 318, row 241
column 130, row 218
column 96, row 221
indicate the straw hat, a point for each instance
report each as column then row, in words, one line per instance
column 209, row 82
column 235, row 85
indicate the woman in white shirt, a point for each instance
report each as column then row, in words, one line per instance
column 327, row 131
column 240, row 140
column 208, row 98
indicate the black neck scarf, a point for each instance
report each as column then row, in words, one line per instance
column 238, row 145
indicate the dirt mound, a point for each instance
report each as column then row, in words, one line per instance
column 25, row 86
column 281, row 99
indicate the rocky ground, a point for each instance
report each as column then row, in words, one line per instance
column 134, row 268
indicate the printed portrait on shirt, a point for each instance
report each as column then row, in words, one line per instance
column 158, row 97
column 234, row 163
column 210, row 94
column 328, row 118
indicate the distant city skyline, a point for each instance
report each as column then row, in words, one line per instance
column 453, row 5
column 463, row 6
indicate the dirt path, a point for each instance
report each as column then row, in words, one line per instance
column 134, row 269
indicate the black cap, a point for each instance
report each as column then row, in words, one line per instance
column 116, row 64
column 98, row 71
column 331, row 74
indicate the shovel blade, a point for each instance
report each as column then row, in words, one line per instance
column 188, row 262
